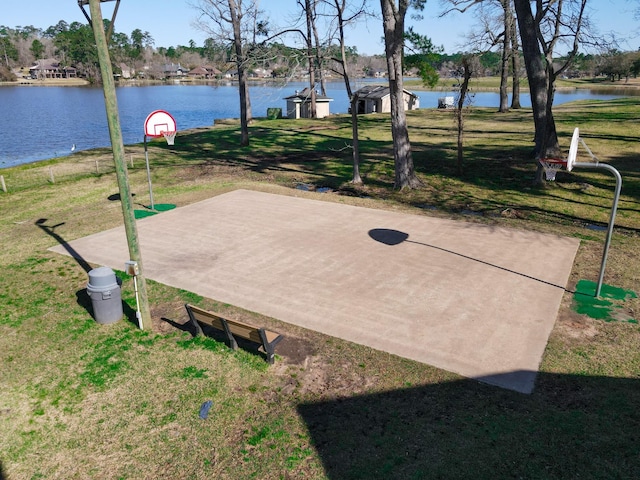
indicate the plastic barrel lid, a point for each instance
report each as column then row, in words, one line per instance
column 102, row 277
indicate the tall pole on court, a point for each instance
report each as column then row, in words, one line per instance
column 117, row 144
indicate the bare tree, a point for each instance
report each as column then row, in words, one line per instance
column 393, row 16
column 309, row 8
column 496, row 28
column 343, row 19
column 541, row 30
column 237, row 23
column 319, row 54
column 468, row 68
column 506, row 55
column 515, row 62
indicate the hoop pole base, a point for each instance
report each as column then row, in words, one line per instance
column 612, row 218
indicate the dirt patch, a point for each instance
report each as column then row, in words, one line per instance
column 170, row 317
column 295, row 351
column 571, row 325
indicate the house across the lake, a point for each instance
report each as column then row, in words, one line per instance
column 50, row 68
column 205, row 71
column 171, row 70
column 377, row 99
column 299, row 104
column 125, row 71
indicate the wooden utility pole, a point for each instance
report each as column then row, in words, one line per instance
column 117, row 144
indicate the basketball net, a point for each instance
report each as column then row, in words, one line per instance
column 551, row 167
column 169, row 137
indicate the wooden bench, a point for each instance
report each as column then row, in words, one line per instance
column 233, row 328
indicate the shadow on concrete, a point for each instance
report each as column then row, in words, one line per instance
column 395, row 237
column 571, row 427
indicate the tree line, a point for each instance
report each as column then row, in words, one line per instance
column 73, row 45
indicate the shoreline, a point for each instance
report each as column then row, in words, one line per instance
column 49, row 82
column 485, row 84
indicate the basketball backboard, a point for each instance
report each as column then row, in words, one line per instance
column 159, row 123
column 573, row 149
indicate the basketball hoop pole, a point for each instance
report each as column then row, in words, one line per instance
column 551, row 166
column 612, row 217
column 115, row 133
column 146, row 159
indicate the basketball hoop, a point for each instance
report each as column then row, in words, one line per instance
column 169, row 137
column 160, row 124
column 551, row 167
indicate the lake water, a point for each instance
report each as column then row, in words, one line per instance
column 38, row 123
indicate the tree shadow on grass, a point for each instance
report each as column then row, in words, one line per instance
column 323, row 152
column 572, row 426
column 82, row 297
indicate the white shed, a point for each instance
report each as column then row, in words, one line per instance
column 377, row 98
column 299, row 104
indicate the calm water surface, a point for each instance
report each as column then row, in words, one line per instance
column 38, row 123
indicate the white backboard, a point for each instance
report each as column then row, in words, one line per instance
column 158, row 122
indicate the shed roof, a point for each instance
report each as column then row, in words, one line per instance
column 305, row 94
column 198, row 71
column 45, row 64
column 377, row 91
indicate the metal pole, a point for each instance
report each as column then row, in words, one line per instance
column 146, row 159
column 612, row 218
column 138, row 314
column 117, row 145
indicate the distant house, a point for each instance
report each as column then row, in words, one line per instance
column 205, row 71
column 50, row 68
column 173, row 70
column 198, row 72
column 377, row 99
column 299, row 104
column 125, row 71
column 262, row 73
column 446, row 102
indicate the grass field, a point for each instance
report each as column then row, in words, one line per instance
column 82, row 400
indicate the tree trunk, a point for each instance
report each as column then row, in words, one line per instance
column 540, row 86
column 464, row 88
column 309, row 10
column 357, row 179
column 515, row 62
column 353, row 100
column 504, row 64
column 318, row 58
column 393, row 22
column 245, row 103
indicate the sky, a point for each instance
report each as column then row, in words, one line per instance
column 170, row 22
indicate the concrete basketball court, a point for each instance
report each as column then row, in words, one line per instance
column 473, row 299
